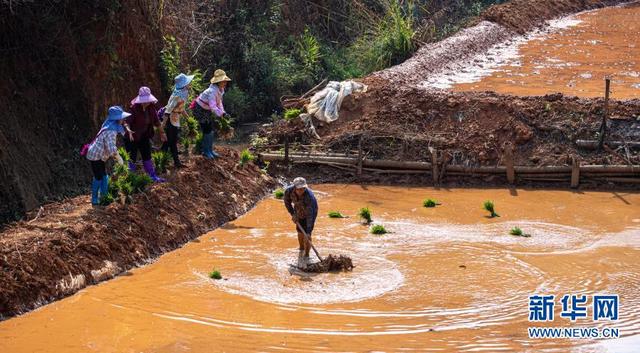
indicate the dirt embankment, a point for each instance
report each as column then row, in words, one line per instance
column 63, row 63
column 71, row 245
column 401, row 119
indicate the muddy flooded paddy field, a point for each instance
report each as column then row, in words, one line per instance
column 444, row 279
column 573, row 55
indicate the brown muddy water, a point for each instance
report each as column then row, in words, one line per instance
column 445, row 279
column 572, row 56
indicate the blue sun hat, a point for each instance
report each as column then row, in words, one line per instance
column 183, row 80
column 115, row 114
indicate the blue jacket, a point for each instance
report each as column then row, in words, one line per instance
column 305, row 208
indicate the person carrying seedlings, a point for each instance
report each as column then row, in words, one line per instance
column 303, row 208
column 208, row 104
column 143, row 119
column 104, row 147
column 174, row 109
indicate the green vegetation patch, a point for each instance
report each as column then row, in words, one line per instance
column 215, row 274
column 278, row 194
column 336, row 214
column 518, row 232
column 490, row 207
column 365, row 215
column 429, row 203
column 378, row 229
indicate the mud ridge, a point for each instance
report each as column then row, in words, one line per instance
column 71, row 245
column 469, row 50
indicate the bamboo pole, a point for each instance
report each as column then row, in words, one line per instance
column 454, row 169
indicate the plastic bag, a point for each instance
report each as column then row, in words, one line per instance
column 325, row 105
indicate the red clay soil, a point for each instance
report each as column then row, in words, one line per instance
column 71, row 245
column 524, row 15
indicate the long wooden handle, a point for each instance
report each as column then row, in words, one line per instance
column 308, row 238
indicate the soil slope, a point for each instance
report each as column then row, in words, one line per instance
column 71, row 245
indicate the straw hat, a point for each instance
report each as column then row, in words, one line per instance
column 144, row 96
column 219, row 76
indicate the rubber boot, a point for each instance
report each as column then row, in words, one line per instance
column 95, row 189
column 104, row 185
column 132, row 166
column 211, row 151
column 148, row 167
column 207, row 140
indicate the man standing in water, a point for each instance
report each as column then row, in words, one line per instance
column 303, row 208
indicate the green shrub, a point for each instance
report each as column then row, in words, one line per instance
column 378, row 229
column 390, row 42
column 429, row 203
column 215, row 274
column 336, row 214
column 365, row 215
column 160, row 161
column 309, row 53
column 278, row 194
column 291, row 114
column 169, row 62
column 488, row 206
column 245, row 157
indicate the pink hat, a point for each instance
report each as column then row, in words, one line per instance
column 144, row 96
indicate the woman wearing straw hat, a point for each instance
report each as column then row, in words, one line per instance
column 173, row 111
column 208, row 103
column 104, row 147
column 143, row 119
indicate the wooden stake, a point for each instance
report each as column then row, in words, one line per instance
column 603, row 126
column 360, row 156
column 575, row 173
column 286, row 152
column 434, row 165
column 508, row 162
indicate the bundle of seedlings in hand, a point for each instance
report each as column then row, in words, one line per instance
column 278, row 193
column 429, row 203
column 488, row 206
column 378, row 229
column 246, row 157
column 225, row 124
column 518, row 232
column 336, row 214
column 365, row 215
column 215, row 274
